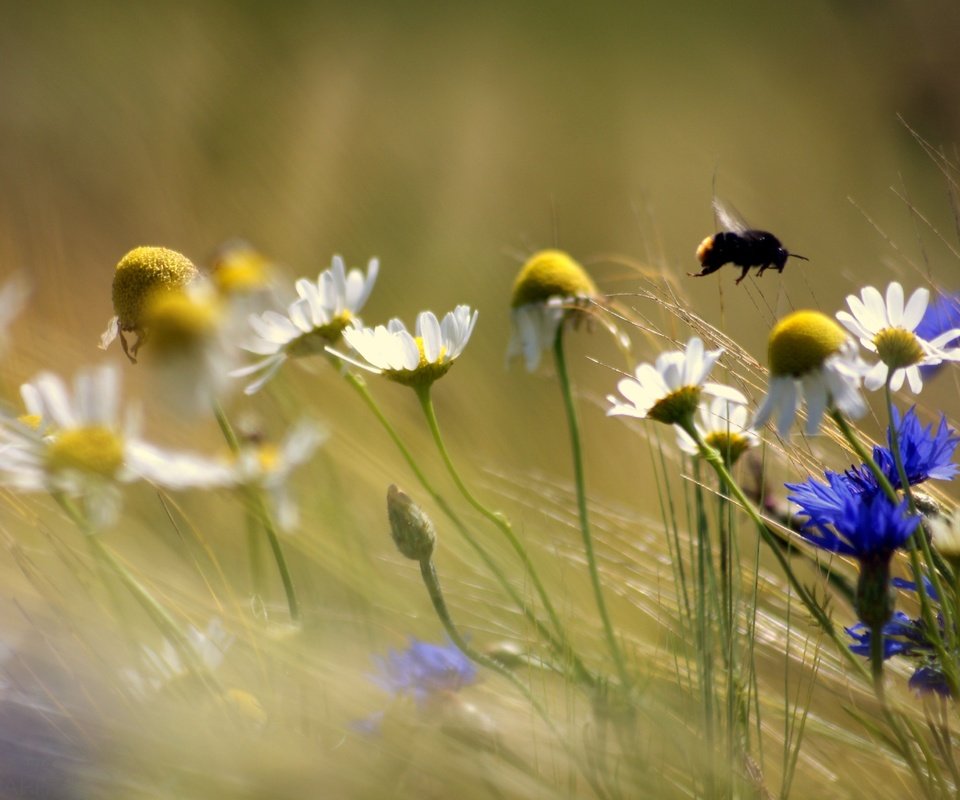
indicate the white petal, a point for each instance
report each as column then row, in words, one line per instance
column 916, row 308
column 895, row 304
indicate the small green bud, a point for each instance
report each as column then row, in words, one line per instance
column 874, row 599
column 411, row 528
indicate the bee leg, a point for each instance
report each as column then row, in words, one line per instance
column 126, row 348
column 742, row 275
column 706, row 270
column 762, row 268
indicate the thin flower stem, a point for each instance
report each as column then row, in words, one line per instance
column 919, row 539
column 496, row 517
column 160, row 616
column 432, row 583
column 560, row 646
column 876, row 661
column 257, row 510
column 574, row 426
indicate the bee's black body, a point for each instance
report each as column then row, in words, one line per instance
column 744, row 248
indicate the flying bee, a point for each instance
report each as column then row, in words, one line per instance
column 741, row 246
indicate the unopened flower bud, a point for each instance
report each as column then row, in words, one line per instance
column 411, row 528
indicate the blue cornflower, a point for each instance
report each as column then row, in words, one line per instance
column 942, row 315
column 824, row 503
column 865, row 526
column 927, row 454
column 902, row 636
column 424, row 669
column 928, row 679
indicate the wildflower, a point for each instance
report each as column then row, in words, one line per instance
column 189, row 350
column 669, row 390
column 77, row 445
column 325, row 308
column 550, row 289
column 141, row 273
column 811, row 356
column 866, row 526
column 239, row 269
column 889, row 330
column 413, row 360
column 926, row 454
column 424, row 670
column 930, row 679
column 412, row 531
column 164, row 667
column 901, row 636
column 268, row 467
column 942, row 315
column 723, row 425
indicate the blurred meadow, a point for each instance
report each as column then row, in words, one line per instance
column 451, row 141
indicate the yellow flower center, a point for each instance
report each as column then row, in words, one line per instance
column 677, row 406
column 239, row 269
column 800, row 343
column 730, row 445
column 314, row 342
column 93, row 449
column 142, row 272
column 178, row 323
column 550, row 273
column 268, row 457
column 425, row 373
column 898, row 348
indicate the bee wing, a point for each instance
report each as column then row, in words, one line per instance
column 728, row 218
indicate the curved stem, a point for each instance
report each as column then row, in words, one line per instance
column 432, row 583
column 496, row 517
column 574, row 426
column 559, row 645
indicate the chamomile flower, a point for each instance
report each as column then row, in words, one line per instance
column 141, row 274
column 268, row 467
column 811, row 357
column 888, row 328
column 190, row 356
column 77, row 444
column 325, row 308
column 550, row 289
column 413, row 359
column 669, row 390
column 723, row 425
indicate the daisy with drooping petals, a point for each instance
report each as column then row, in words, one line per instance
column 417, row 359
column 723, row 424
column 888, row 328
column 811, row 357
column 549, row 290
column 669, row 390
column 324, row 309
column 75, row 443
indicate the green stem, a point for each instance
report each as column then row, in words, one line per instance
column 257, row 509
column 574, row 426
column 496, row 517
column 557, row 642
column 432, row 583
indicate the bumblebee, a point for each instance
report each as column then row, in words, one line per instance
column 741, row 246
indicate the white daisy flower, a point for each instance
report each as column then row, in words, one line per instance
column 723, row 425
column 550, row 289
column 268, row 467
column 76, row 444
column 163, row 667
column 811, row 357
column 889, row 330
column 412, row 359
column 669, row 390
column 325, row 308
column 190, row 355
